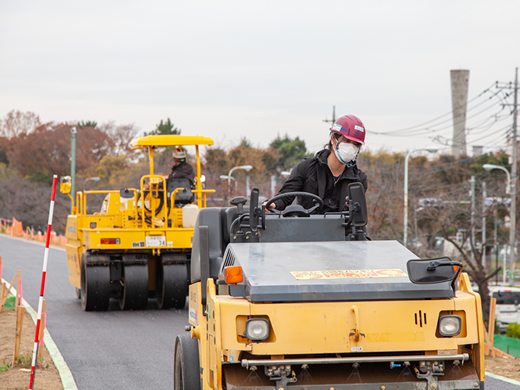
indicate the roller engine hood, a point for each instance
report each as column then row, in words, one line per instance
column 327, row 271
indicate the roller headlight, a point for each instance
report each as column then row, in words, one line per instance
column 257, row 329
column 449, row 325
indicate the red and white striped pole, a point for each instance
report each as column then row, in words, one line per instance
column 44, row 272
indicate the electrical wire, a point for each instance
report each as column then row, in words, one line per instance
column 435, row 130
column 421, row 125
column 443, row 115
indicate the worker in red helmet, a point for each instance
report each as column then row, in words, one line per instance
column 328, row 173
column 181, row 169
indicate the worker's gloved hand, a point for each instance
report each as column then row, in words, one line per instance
column 271, row 206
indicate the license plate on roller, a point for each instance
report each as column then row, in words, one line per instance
column 156, row 241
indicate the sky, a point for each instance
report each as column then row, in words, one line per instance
column 261, row 69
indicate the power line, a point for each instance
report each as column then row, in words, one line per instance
column 421, row 125
column 398, row 133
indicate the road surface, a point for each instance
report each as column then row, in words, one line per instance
column 104, row 350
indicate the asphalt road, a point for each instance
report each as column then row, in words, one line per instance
column 107, row 350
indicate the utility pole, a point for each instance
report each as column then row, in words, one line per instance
column 472, row 219
column 73, row 164
column 512, row 232
column 484, row 224
column 495, row 239
column 514, row 155
column 333, row 116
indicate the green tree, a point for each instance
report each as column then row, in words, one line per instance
column 290, row 151
column 163, row 155
column 164, row 128
column 83, row 124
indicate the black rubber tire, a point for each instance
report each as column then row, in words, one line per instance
column 186, row 366
column 172, row 286
column 95, row 287
column 135, row 287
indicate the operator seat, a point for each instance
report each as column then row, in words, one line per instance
column 183, row 196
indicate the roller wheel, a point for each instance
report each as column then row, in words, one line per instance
column 186, row 367
column 135, row 287
column 95, row 287
column 172, row 286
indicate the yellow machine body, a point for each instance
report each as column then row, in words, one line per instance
column 146, row 219
column 299, row 301
column 300, row 330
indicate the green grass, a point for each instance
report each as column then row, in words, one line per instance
column 23, row 361
column 5, row 367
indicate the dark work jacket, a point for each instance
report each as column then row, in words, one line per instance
column 183, row 170
column 313, row 175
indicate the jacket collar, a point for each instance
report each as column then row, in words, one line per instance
column 322, row 156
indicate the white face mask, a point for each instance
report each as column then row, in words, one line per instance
column 346, row 152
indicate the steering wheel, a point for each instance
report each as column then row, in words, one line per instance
column 295, row 210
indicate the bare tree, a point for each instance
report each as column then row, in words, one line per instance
column 17, row 123
column 121, row 135
column 384, row 195
column 446, row 211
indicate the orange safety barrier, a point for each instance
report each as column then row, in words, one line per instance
column 15, row 228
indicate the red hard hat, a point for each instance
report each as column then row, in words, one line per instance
column 350, row 127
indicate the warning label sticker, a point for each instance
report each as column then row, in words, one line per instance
column 349, row 274
column 193, row 316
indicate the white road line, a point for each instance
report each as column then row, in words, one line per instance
column 512, row 381
column 66, row 376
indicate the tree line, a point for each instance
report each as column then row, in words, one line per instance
column 31, row 152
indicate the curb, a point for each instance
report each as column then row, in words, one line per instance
column 67, row 379
column 512, row 381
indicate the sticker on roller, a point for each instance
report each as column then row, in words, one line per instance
column 349, row 274
column 193, row 316
column 356, row 349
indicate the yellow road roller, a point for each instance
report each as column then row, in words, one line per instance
column 138, row 244
column 301, row 300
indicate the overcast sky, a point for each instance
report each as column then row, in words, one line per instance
column 256, row 69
